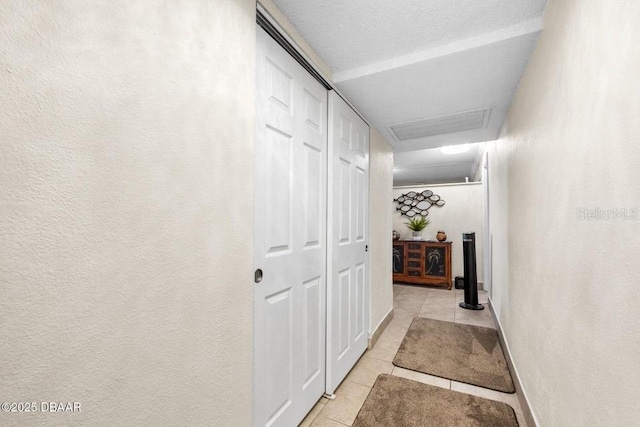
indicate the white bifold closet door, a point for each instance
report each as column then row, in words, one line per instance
column 290, row 238
column 348, row 265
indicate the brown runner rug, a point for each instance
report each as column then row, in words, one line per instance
column 464, row 353
column 399, row 402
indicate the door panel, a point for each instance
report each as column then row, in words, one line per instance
column 362, row 136
column 359, row 301
column 361, row 197
column 290, row 238
column 344, row 278
column 313, row 196
column 279, row 86
column 314, row 341
column 345, row 131
column 279, row 349
column 313, row 113
column 344, row 208
column 279, row 153
column 348, row 267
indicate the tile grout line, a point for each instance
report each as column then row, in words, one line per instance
column 336, row 421
column 364, row 385
column 317, row 415
column 382, row 360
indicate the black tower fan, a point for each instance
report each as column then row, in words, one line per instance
column 470, row 275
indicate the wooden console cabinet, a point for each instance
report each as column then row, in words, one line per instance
column 422, row 262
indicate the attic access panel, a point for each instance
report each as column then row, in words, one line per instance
column 452, row 123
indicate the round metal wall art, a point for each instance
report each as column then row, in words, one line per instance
column 414, row 203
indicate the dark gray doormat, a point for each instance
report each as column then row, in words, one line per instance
column 399, row 402
column 464, row 353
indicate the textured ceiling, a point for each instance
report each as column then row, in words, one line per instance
column 398, row 62
column 477, row 78
column 353, row 33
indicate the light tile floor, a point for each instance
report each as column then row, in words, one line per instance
column 408, row 302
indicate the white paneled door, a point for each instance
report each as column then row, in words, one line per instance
column 348, row 268
column 290, row 238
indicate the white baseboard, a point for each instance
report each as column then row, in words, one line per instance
column 373, row 337
column 522, row 395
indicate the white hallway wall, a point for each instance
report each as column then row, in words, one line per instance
column 565, row 289
column 126, row 190
column 461, row 213
column 380, row 225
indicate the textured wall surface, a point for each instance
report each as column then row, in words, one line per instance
column 380, row 192
column 568, row 303
column 126, row 210
column 461, row 213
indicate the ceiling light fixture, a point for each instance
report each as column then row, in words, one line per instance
column 455, row 149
